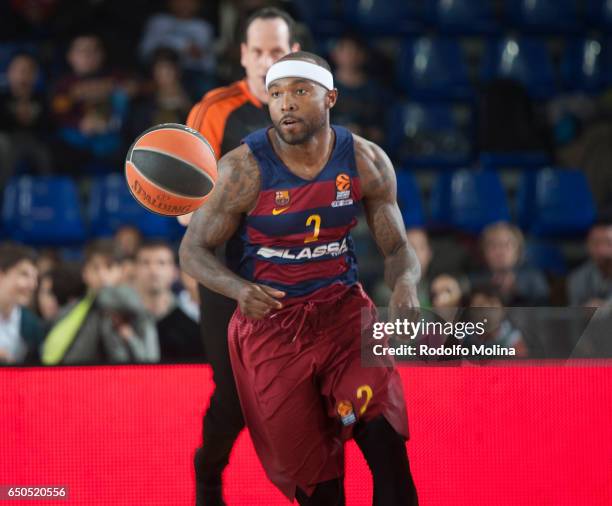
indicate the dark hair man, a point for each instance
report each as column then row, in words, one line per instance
column 20, row 330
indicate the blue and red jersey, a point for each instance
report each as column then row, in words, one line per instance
column 297, row 238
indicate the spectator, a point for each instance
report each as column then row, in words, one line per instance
column 502, row 248
column 128, row 270
column 155, row 273
column 109, row 324
column 445, row 295
column 46, row 303
column 47, row 259
column 191, row 37
column 58, row 288
column 20, row 330
column 445, row 292
column 486, row 305
column 127, row 239
column 166, row 101
column 88, row 107
column 24, row 120
column 101, row 268
column 591, row 284
column 362, row 108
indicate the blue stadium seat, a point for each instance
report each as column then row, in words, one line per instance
column 433, row 68
column 525, row 59
column 384, row 17
column 43, row 210
column 513, row 160
column 583, row 66
column 546, row 257
column 468, row 200
column 324, row 17
column 409, row 200
column 544, row 16
column 462, row 16
column 555, row 203
column 111, row 205
column 599, row 14
column 431, row 135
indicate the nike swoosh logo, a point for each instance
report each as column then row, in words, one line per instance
column 278, row 211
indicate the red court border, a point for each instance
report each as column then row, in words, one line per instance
column 480, row 436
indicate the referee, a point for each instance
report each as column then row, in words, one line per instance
column 224, row 117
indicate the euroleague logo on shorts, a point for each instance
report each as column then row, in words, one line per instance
column 346, row 413
column 343, row 191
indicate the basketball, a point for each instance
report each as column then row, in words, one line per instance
column 170, row 169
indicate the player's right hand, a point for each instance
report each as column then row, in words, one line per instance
column 256, row 301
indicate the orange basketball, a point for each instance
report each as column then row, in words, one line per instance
column 171, row 169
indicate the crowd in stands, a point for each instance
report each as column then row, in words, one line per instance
column 114, row 307
column 79, row 82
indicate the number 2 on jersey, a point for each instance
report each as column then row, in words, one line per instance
column 316, row 220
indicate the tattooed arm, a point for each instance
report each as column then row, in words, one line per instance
column 379, row 187
column 235, row 193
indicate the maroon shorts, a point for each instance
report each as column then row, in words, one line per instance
column 302, row 387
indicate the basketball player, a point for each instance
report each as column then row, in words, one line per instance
column 224, row 117
column 291, row 193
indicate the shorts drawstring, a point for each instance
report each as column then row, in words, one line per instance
column 299, row 312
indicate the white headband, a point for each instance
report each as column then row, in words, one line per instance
column 300, row 68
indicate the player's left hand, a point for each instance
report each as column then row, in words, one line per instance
column 404, row 302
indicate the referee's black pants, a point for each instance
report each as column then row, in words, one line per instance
column 223, row 420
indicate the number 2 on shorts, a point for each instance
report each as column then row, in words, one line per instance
column 367, row 390
column 316, row 220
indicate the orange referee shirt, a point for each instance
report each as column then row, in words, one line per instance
column 227, row 115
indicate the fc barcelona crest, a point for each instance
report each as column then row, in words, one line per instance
column 282, row 198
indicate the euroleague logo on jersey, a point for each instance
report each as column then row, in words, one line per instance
column 343, row 182
column 343, row 191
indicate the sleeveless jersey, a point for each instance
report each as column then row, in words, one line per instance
column 297, row 238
